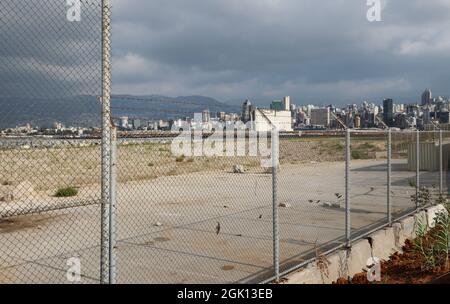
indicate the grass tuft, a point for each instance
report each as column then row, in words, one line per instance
column 180, row 159
column 66, row 192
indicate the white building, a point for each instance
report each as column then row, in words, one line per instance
column 287, row 103
column 266, row 119
column 124, row 122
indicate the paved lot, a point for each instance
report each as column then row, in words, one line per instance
column 186, row 247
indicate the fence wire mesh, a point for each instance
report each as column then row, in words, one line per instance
column 50, row 73
column 368, row 188
column 403, row 180
column 191, row 219
column 311, row 197
column 129, row 207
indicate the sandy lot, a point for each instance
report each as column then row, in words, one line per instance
column 185, row 247
column 48, row 169
column 168, row 211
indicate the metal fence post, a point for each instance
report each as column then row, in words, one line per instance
column 275, row 164
column 106, row 143
column 112, row 208
column 417, row 168
column 441, row 164
column 389, row 172
column 347, row 188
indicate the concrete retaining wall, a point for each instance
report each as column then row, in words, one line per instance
column 347, row 263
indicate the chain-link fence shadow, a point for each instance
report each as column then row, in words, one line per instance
column 310, row 197
column 403, row 177
column 368, row 183
column 192, row 218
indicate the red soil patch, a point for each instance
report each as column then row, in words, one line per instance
column 403, row 268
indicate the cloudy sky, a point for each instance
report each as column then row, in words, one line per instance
column 314, row 50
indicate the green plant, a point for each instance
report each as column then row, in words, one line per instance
column 322, row 264
column 434, row 245
column 422, row 245
column 442, row 231
column 338, row 146
column 358, row 154
column 441, row 200
column 368, row 146
column 66, row 192
column 180, row 159
column 424, row 197
column 151, row 164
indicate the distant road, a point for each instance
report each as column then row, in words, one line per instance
column 151, row 136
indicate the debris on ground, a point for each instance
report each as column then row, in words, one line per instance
column 284, row 205
column 238, row 169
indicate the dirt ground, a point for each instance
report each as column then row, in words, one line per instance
column 48, row 169
column 403, row 268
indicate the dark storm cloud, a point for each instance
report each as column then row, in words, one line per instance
column 312, row 50
column 42, row 55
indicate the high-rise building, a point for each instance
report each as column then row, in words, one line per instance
column 246, row 111
column 426, row 97
column 287, row 103
column 221, row 116
column 136, row 122
column 206, row 116
column 357, row 122
column 320, row 117
column 124, row 122
column 277, row 105
column 388, row 112
column 426, row 115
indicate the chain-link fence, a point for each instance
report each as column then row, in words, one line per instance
column 86, row 203
column 50, row 175
column 187, row 217
column 311, row 195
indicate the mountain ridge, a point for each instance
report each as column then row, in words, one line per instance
column 85, row 110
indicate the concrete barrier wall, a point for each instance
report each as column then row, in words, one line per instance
column 347, row 263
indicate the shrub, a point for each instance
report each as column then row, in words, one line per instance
column 66, row 192
column 180, row 159
column 434, row 245
column 424, row 198
column 357, row 154
column 368, row 146
column 339, row 146
column 443, row 238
